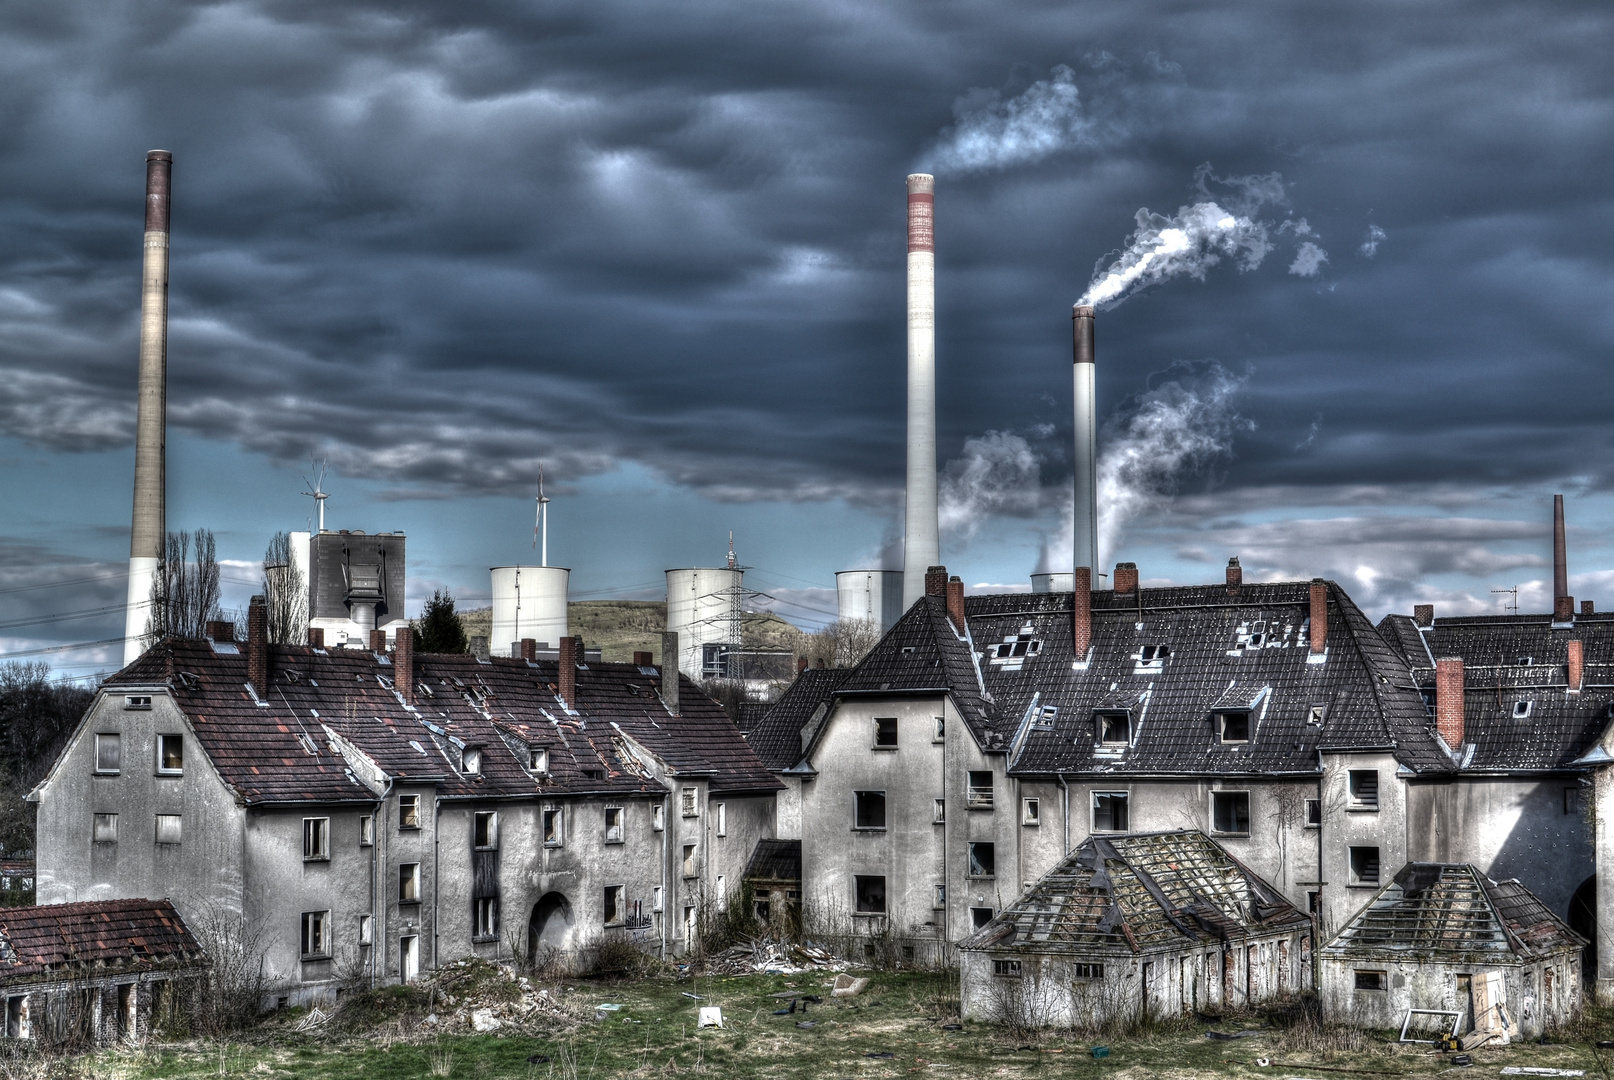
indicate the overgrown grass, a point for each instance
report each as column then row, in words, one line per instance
column 653, row 1036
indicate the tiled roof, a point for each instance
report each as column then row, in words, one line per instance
column 1015, row 681
column 1138, row 892
column 1446, row 912
column 775, row 860
column 278, row 751
column 104, row 933
column 1517, row 711
column 776, row 738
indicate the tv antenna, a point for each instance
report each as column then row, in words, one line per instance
column 1511, row 604
column 541, row 525
column 316, row 488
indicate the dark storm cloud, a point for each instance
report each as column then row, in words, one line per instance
column 439, row 242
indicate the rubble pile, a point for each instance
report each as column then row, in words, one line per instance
column 473, row 995
column 771, row 958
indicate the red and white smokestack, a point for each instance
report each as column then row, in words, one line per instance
column 149, row 525
column 921, row 543
column 1084, row 535
column 1563, row 605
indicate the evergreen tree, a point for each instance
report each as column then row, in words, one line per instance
column 439, row 628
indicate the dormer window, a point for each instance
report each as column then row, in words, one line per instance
column 471, row 760
column 1012, row 652
column 1521, row 709
column 537, row 760
column 1232, row 725
column 1114, row 727
column 1045, row 717
column 1151, row 659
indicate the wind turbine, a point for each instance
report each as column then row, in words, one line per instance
column 316, row 490
column 541, row 525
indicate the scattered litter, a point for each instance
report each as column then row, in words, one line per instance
column 1101, row 1051
column 879, row 1054
column 786, row 1012
column 806, row 1023
column 846, row 986
column 314, row 1019
column 1605, row 1044
column 607, row 1007
column 711, row 1016
column 537, row 1059
column 952, row 1027
column 1462, row 1060
column 1528, row 1070
column 693, row 997
column 785, row 994
column 431, row 1018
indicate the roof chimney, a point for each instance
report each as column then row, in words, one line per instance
column 1126, row 577
column 569, row 656
column 1563, row 605
column 1319, row 616
column 529, row 648
column 921, row 546
column 955, row 602
column 1081, row 613
column 1587, row 608
column 1577, row 665
column 258, row 644
column 1084, row 536
column 801, row 664
column 220, row 630
column 403, row 663
column 1235, row 574
column 1423, row 614
column 936, row 581
column 669, row 671
column 316, row 637
column 378, row 641
column 1449, row 700
column 146, row 534
column 641, row 659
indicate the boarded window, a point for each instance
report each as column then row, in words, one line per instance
column 722, row 815
column 690, row 804
column 108, row 753
column 316, row 838
column 1110, row 811
column 868, row 809
column 983, row 860
column 366, row 930
column 1230, row 812
column 1364, row 789
column 167, row 828
column 885, row 733
column 870, row 894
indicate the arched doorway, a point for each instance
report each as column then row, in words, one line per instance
column 549, row 930
column 1583, row 921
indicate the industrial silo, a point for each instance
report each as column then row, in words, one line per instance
column 873, row 595
column 528, row 602
column 703, row 609
column 1053, row 582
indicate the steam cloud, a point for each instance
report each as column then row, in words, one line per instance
column 998, row 474
column 1370, row 246
column 1308, row 260
column 991, row 133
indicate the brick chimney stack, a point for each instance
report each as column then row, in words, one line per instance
column 936, row 581
column 258, row 645
column 1081, row 613
column 1449, row 700
column 955, row 602
column 220, row 630
column 403, row 663
column 529, row 649
column 1588, row 608
column 1577, row 665
column 1319, row 616
column 1126, row 577
column 669, row 671
column 316, row 637
column 1423, row 614
column 378, row 641
column 801, row 664
column 641, row 659
column 1235, row 575
column 569, row 655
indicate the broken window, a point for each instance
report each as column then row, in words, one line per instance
column 941, row 811
column 485, row 829
column 1030, row 812
column 868, row 810
column 553, row 827
column 885, row 732
column 1364, row 789
column 471, row 760
column 655, row 898
column 409, row 883
column 485, row 918
column 1012, row 653
column 171, row 754
column 1318, row 714
column 106, row 828
column 1521, row 709
column 1087, row 971
column 613, row 824
column 167, row 828
column 366, row 930
column 980, row 916
column 409, row 811
column 1045, row 717
column 941, row 728
column 689, row 860
column 137, row 701
column 1006, row 969
column 1230, row 812
column 983, row 860
column 689, row 802
column 1314, row 812
column 366, row 830
column 658, row 816
column 316, row 838
column 1369, row 980
column 615, row 904
column 316, row 936
column 537, row 760
column 870, row 894
column 1364, row 866
column 1110, row 811
column 939, row 899
column 1151, row 659
column 1114, row 727
column 1232, row 725
column 979, row 795
column 108, row 754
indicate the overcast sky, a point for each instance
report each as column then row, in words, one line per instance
column 659, row 249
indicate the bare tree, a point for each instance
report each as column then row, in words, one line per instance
column 844, row 642
column 184, row 594
column 285, row 593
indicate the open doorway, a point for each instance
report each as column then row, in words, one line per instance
column 1583, row 921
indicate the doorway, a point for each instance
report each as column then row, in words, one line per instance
column 549, row 928
column 408, row 958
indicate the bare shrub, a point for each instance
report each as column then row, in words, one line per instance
column 237, row 982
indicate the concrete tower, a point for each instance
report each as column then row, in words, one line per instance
column 1084, row 534
column 922, row 548
column 149, row 525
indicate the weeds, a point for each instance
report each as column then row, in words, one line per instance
column 441, row 1062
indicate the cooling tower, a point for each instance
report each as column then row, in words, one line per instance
column 873, row 595
column 703, row 609
column 528, row 602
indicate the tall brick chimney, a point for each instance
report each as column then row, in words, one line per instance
column 936, row 581
column 403, row 663
column 258, row 645
column 1126, row 577
column 801, row 664
column 378, row 641
column 316, row 637
column 569, row 655
column 1449, row 700
column 955, row 602
column 220, row 630
column 529, row 648
column 1235, row 575
column 1577, row 665
column 669, row 671
column 1319, row 616
column 1081, row 613
column 1423, row 614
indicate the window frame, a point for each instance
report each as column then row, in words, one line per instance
column 657, row 897
column 974, row 799
column 938, row 897
column 538, row 760
column 115, row 740
column 485, row 918
column 940, row 733
column 176, row 823
column 1124, row 798
column 689, row 804
column 1101, row 724
column 163, row 741
column 1030, row 812
column 366, row 930
column 1314, row 814
column 471, row 760
column 1355, row 879
column 614, row 897
column 860, row 822
column 1220, row 718
column 409, row 889
column 858, row 894
column 366, row 830
column 408, row 813
column 617, row 833
column 1355, row 800
column 885, row 738
column 973, row 851
column 722, row 813
column 318, row 922
column 485, row 830
column 658, row 817
column 552, row 826
column 1377, row 977
column 689, row 864
column 939, row 812
column 1215, row 796
column 1007, row 969
column 318, row 830
column 1088, row 971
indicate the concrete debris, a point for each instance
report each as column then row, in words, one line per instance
column 315, row 1018
column 772, row 958
column 846, row 986
column 484, row 1020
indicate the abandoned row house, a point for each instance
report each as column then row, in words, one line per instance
column 374, row 815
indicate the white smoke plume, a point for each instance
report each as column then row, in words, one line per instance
column 998, row 474
column 1370, row 246
column 1191, row 242
column 1308, row 260
column 1173, row 431
column 990, row 133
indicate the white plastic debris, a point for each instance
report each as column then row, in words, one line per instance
column 484, row 1020
column 1528, row 1070
column 711, row 1016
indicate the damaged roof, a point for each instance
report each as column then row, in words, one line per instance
column 1140, row 892
column 1518, row 713
column 1450, row 912
column 775, row 860
column 777, row 736
column 1168, row 659
column 103, row 934
column 277, row 746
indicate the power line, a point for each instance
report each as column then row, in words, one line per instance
column 63, row 584
column 61, row 648
column 67, row 616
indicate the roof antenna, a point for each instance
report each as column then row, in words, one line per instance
column 541, row 525
column 1511, row 604
column 316, row 488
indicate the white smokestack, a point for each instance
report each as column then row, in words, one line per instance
column 922, row 548
column 1084, row 535
column 149, row 526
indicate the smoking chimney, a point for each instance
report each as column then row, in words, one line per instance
column 149, row 525
column 922, row 548
column 1563, row 605
column 1084, row 536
